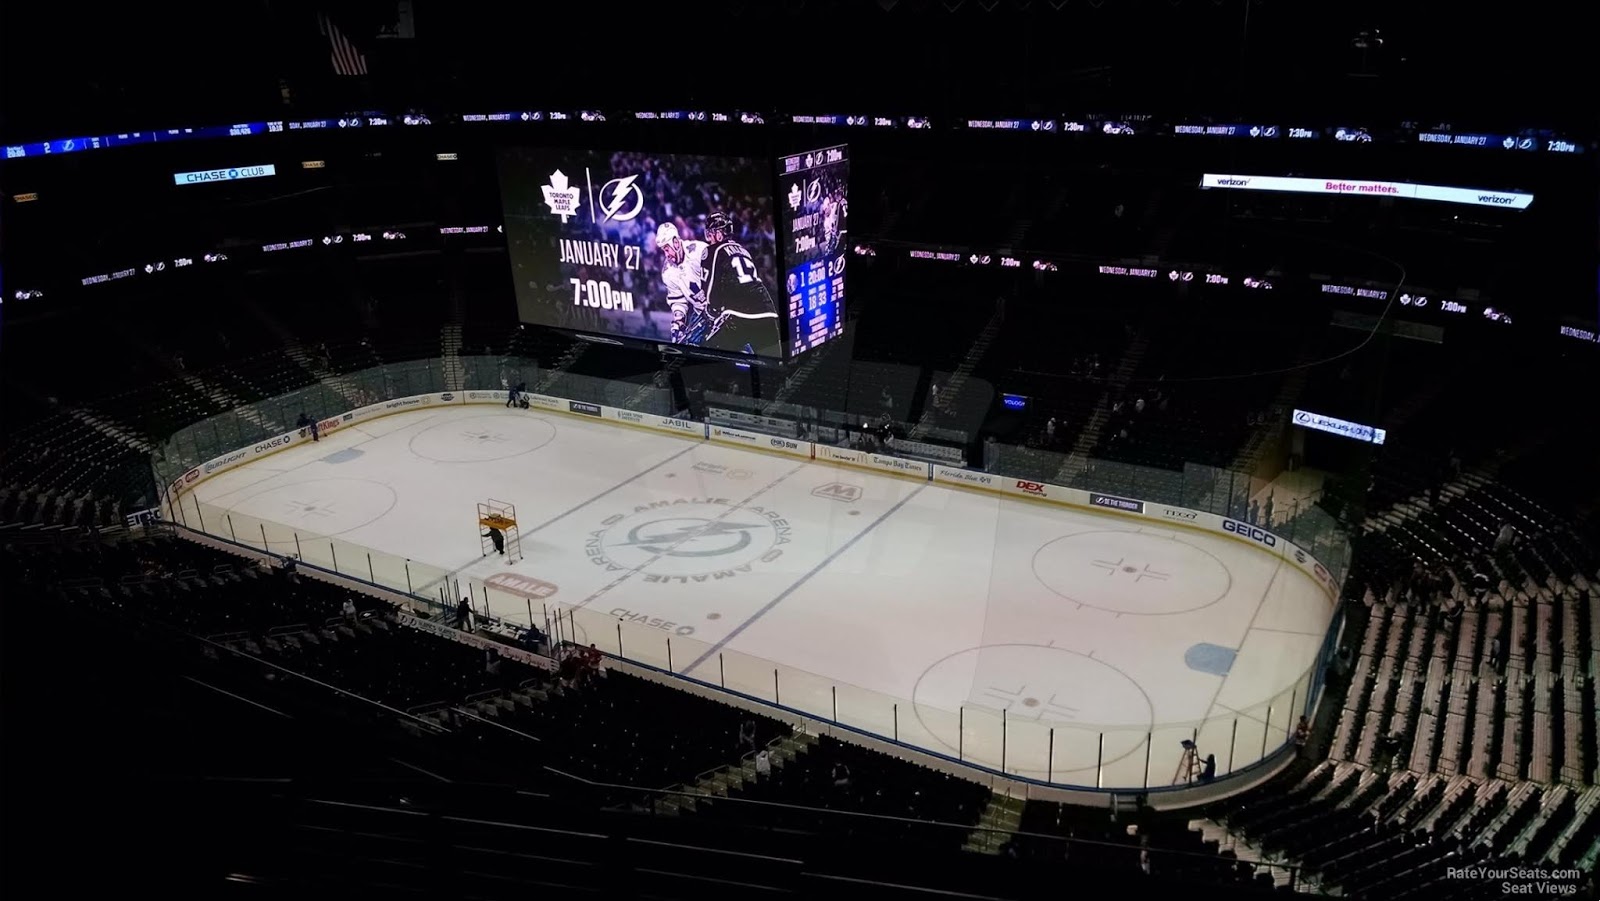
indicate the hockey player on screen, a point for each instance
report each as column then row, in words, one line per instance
column 830, row 224
column 735, row 295
column 684, row 278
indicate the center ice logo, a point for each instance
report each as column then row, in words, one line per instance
column 690, row 539
column 691, row 536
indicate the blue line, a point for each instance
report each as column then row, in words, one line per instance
column 767, row 608
column 560, row 516
column 634, row 478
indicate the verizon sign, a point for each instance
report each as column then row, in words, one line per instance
column 1440, row 193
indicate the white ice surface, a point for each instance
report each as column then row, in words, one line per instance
column 918, row 610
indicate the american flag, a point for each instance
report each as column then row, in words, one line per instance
column 346, row 59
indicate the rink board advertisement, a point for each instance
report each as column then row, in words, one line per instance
column 950, row 475
column 667, row 248
column 897, row 465
column 458, row 636
column 947, row 475
column 760, row 441
column 841, row 455
column 813, row 214
column 686, row 427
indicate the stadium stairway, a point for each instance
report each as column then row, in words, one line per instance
column 661, row 379
column 1089, row 436
column 455, row 375
column 111, row 430
column 565, row 362
column 951, row 395
column 298, row 353
column 1289, row 391
column 803, row 373
column 1225, row 841
column 719, row 782
column 1000, row 819
column 227, row 400
column 1018, row 233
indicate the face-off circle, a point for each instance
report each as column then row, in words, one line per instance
column 482, row 439
column 1040, row 686
column 319, row 507
column 690, row 539
column 1137, row 573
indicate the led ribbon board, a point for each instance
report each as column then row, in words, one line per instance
column 1470, row 196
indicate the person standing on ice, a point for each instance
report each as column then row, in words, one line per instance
column 498, row 539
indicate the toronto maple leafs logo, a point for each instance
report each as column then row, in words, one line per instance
column 794, row 197
column 560, row 196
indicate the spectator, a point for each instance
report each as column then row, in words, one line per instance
column 1345, row 659
column 747, row 736
column 841, row 775
column 1302, row 734
column 589, row 663
column 533, row 639
column 348, row 608
column 1505, row 537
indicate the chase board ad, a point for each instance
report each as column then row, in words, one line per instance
column 814, row 198
column 668, row 248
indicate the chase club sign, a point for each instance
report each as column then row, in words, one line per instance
column 237, row 173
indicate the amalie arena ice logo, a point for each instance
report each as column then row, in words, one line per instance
column 522, row 586
column 689, row 540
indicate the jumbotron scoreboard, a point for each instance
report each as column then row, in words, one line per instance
column 814, row 208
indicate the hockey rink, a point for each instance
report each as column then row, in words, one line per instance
column 1062, row 645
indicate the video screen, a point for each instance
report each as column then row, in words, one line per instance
column 813, row 194
column 669, row 248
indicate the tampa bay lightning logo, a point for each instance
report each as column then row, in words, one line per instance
column 692, row 537
column 621, row 199
column 689, row 538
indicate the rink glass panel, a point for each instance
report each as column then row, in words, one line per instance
column 1068, row 754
